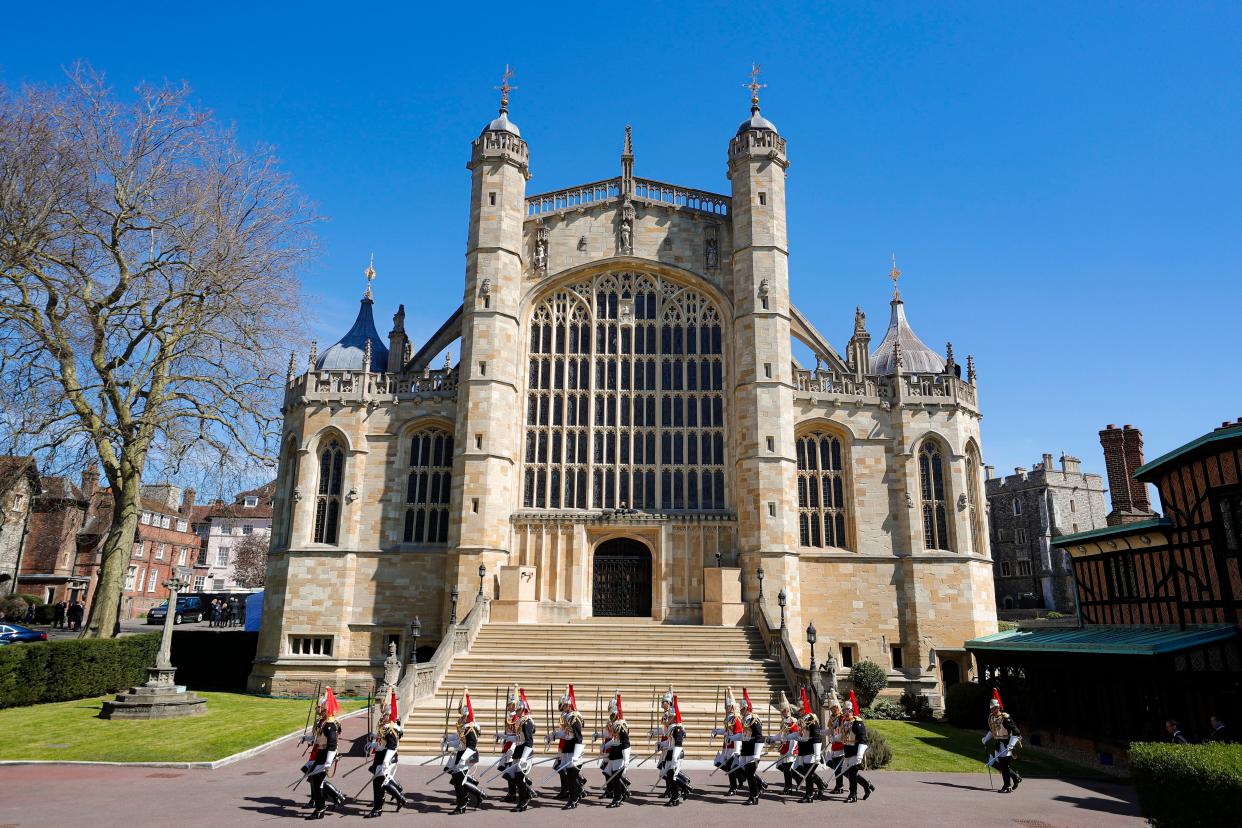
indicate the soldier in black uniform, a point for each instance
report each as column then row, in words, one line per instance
column 523, row 749
column 323, row 757
column 787, row 739
column 728, row 759
column 570, row 757
column 384, row 766
column 672, row 741
column 751, row 738
column 465, row 788
column 810, row 753
column 854, row 735
column 617, row 746
column 1004, row 730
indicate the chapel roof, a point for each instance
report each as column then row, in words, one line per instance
column 916, row 357
column 350, row 351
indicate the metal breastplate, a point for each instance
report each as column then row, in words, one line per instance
column 997, row 726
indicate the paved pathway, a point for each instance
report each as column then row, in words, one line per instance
column 256, row 792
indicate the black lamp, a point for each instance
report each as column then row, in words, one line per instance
column 782, row 598
column 453, row 606
column 810, row 639
column 416, row 629
column 760, row 574
column 482, row 575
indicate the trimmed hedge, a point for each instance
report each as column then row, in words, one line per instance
column 966, row 705
column 1188, row 784
column 54, row 671
column 867, row 679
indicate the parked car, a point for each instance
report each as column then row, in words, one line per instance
column 189, row 608
column 15, row 634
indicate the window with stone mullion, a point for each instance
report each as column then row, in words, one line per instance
column 931, row 490
column 328, row 496
column 428, row 487
column 821, row 491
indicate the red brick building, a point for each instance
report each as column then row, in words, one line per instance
column 55, row 566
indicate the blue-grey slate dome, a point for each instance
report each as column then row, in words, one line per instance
column 503, row 124
column 756, row 121
column 347, row 355
column 916, row 358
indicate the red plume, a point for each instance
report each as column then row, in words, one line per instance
column 573, row 700
column 330, row 705
column 996, row 695
column 854, row 703
column 522, row 695
column 392, row 708
column 676, row 711
column 806, row 703
column 469, row 708
column 619, row 714
column 746, row 699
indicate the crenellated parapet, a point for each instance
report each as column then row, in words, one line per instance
column 355, row 386
column 829, row 386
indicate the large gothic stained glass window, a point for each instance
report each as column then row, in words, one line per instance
column 428, row 486
column 625, row 398
column 931, row 489
column 821, row 491
column 328, row 498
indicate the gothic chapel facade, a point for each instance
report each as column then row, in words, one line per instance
column 625, row 416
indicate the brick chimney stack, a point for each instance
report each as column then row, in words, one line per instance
column 187, row 501
column 1123, row 453
column 90, row 480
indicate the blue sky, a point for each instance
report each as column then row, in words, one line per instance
column 1060, row 182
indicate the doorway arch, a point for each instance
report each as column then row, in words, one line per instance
column 621, row 579
column 950, row 673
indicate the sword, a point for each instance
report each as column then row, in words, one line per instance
column 988, row 765
column 652, row 756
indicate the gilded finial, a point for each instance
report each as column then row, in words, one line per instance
column 754, row 86
column 505, row 89
column 370, row 274
column 895, row 274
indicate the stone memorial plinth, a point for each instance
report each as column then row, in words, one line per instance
column 161, row 697
column 516, row 602
column 722, row 597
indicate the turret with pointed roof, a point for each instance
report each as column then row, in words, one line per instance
column 350, row 352
column 901, row 350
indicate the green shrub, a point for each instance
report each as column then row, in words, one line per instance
column 1053, row 614
column 1188, row 784
column 30, row 599
column 916, row 705
column 885, row 710
column 879, row 753
column 966, row 705
column 45, row 614
column 54, row 671
column 868, row 679
column 14, row 608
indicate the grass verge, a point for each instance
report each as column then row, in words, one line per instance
column 73, row 731
column 932, row 746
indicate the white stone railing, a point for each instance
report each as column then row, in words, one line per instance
column 645, row 190
column 363, row 385
column 938, row 388
column 573, row 198
column 422, row 680
column 660, row 193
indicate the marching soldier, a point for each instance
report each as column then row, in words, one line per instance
column 466, row 742
column 570, row 757
column 810, row 746
column 617, row 747
column 509, row 740
column 323, row 756
column 676, row 784
column 384, row 766
column 854, row 735
column 1004, row 730
column 518, row 771
column 836, row 745
column 727, row 759
column 751, row 738
column 786, row 738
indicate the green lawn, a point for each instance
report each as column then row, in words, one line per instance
column 932, row 746
column 73, row 730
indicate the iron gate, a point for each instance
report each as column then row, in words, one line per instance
column 621, row 582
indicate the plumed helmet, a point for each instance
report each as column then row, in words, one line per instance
column 729, row 700
column 994, row 704
column 614, row 706
column 786, row 707
column 667, row 698
column 466, row 709
column 747, row 705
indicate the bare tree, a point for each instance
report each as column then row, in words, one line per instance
column 250, row 560
column 148, row 291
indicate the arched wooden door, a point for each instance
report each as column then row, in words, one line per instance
column 621, row 579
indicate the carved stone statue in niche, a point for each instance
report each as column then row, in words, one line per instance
column 540, row 260
column 711, row 248
column 627, row 226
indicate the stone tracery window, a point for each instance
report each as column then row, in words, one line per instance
column 972, row 503
column 625, row 402
column 328, row 497
column 821, row 491
column 428, row 486
column 931, row 488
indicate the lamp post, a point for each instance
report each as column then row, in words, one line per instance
column 810, row 639
column 718, row 559
column 416, row 628
column 453, row 606
column 760, row 575
column 782, row 598
column 482, row 575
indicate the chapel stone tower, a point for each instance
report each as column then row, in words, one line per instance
column 488, row 404
column 766, row 472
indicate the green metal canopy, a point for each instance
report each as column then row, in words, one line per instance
column 1115, row 640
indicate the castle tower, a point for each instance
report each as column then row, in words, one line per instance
column 489, row 374
column 765, row 471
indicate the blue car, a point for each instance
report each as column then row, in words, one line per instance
column 15, row 634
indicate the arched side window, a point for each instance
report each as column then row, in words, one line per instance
column 288, row 472
column 625, row 402
column 427, row 488
column 931, row 488
column 328, row 497
column 974, row 512
column 821, row 491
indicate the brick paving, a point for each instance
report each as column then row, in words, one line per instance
column 256, row 792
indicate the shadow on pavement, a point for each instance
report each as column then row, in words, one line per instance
column 1112, row 798
column 955, row 785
